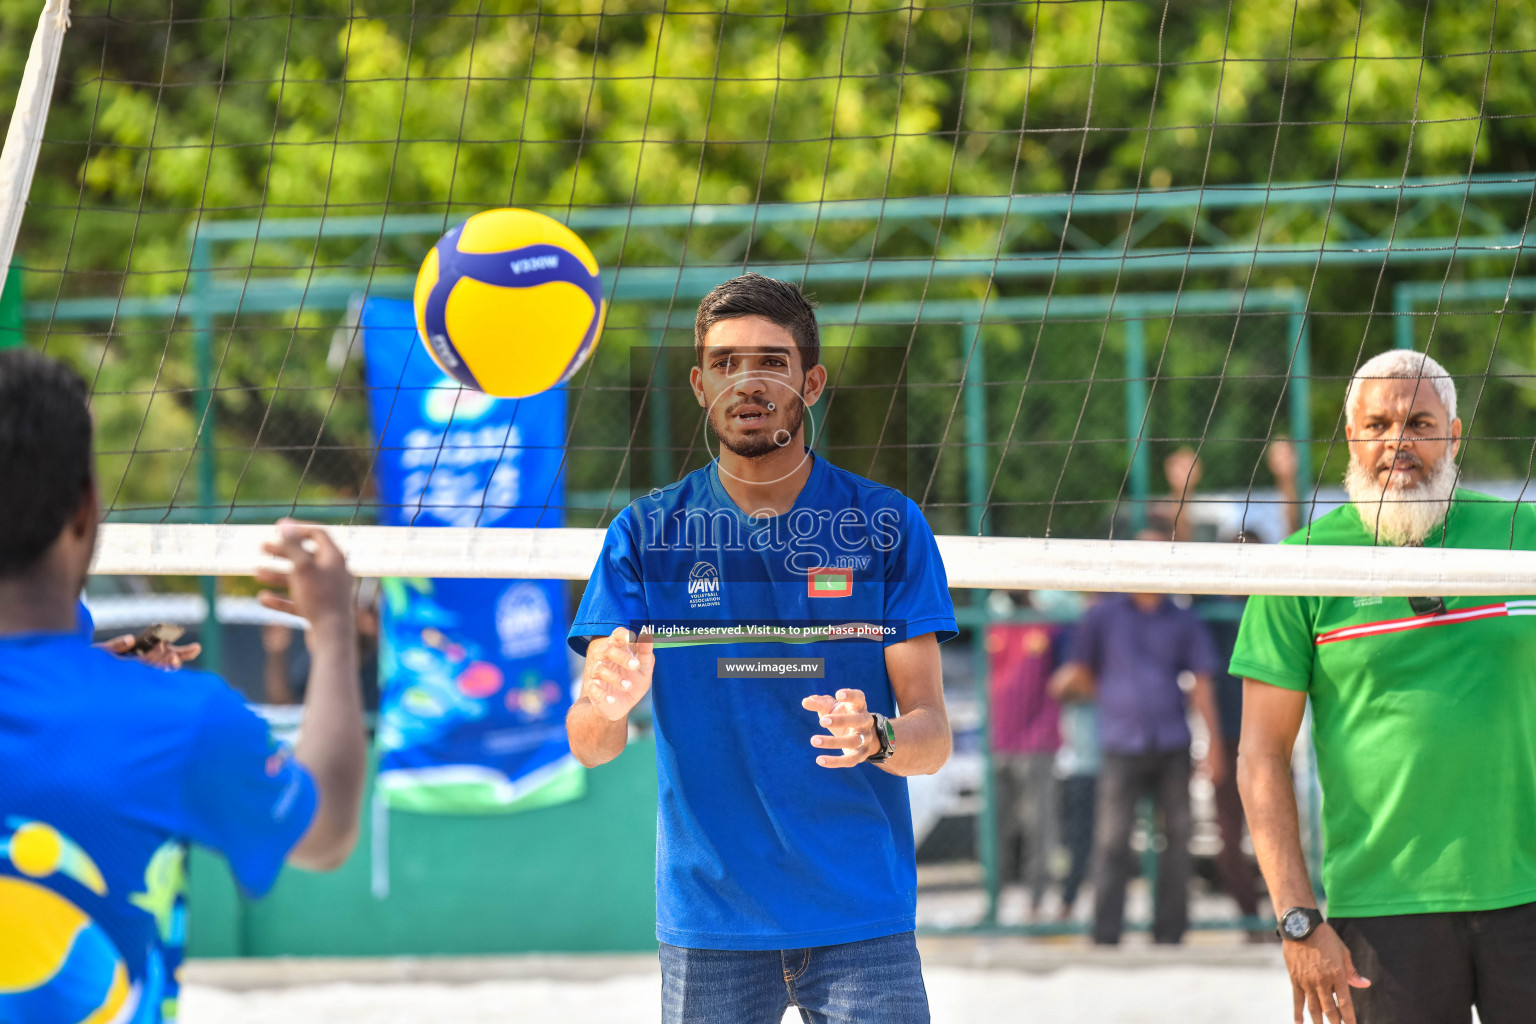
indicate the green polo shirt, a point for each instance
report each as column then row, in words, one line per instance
column 1425, row 726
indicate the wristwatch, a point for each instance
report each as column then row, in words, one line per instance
column 1298, row 923
column 885, row 732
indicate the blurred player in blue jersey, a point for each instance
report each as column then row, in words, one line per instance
column 109, row 767
column 789, row 615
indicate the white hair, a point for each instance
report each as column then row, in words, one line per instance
column 1402, row 364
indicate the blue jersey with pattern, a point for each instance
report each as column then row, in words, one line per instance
column 108, row 769
column 758, row 846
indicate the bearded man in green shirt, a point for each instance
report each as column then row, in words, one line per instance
column 1424, row 721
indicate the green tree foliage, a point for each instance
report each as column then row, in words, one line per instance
column 171, row 114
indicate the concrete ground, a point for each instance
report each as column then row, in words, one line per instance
column 1215, row 979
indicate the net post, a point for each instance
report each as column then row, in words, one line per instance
column 976, row 513
column 1136, row 418
column 207, row 455
column 975, row 430
column 1300, row 384
column 10, row 310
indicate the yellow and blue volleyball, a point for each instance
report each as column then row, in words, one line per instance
column 510, row 303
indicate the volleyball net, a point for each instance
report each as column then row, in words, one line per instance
column 1053, row 244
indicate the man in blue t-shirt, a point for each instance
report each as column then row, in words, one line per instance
column 110, row 766
column 765, row 595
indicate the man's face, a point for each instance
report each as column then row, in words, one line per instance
column 1400, row 431
column 753, row 386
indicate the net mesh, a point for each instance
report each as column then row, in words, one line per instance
column 1054, row 243
column 1062, row 249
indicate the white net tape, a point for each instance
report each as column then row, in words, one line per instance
column 971, row 562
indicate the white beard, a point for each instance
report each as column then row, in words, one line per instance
column 1402, row 516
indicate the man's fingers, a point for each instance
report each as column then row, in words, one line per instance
column 313, row 539
column 845, row 761
column 270, row 577
column 610, row 674
column 818, row 702
column 855, row 697
column 1346, row 1004
column 1355, row 978
column 188, row 652
column 1299, row 1003
column 622, row 638
column 277, row 602
column 832, row 723
column 300, row 530
column 293, row 542
column 120, row 644
column 602, row 697
column 840, row 742
column 162, row 656
column 1330, row 1008
column 1315, row 1006
column 619, row 657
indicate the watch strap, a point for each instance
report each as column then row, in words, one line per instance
column 886, row 736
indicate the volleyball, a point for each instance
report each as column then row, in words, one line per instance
column 510, row 303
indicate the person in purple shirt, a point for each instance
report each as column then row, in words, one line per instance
column 1025, row 738
column 1128, row 654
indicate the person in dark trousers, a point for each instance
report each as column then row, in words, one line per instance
column 1025, row 738
column 1424, row 725
column 1077, row 770
column 1128, row 653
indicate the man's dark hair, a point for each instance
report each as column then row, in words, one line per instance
column 778, row 302
column 45, row 454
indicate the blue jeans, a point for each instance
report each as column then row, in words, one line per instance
column 876, row 981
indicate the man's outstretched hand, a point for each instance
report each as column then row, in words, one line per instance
column 1322, row 974
column 162, row 655
column 618, row 673
column 849, row 724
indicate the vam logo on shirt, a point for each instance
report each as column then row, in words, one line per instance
column 703, row 586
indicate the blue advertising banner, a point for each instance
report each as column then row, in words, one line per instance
column 474, row 679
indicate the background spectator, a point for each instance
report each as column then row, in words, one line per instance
column 1077, row 767
column 1129, row 652
column 1025, row 738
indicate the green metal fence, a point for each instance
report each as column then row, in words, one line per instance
column 962, row 254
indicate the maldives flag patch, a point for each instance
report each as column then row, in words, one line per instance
column 830, row 583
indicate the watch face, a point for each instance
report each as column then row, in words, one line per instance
column 1296, row 924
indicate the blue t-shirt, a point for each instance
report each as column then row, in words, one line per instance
column 109, row 769
column 758, row 846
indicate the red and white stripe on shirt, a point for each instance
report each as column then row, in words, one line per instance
column 1449, row 618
